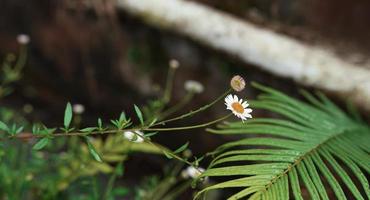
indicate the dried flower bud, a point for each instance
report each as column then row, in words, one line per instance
column 23, row 39
column 174, row 63
column 78, row 108
column 193, row 86
column 237, row 83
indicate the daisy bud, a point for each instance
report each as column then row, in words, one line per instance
column 23, row 39
column 193, row 86
column 174, row 64
column 27, row 108
column 187, row 153
column 192, row 172
column 78, row 108
column 237, row 83
column 133, row 136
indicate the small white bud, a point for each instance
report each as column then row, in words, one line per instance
column 134, row 136
column 78, row 108
column 193, row 86
column 23, row 39
column 192, row 172
column 174, row 63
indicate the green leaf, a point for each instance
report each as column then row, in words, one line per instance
column 153, row 122
column 167, row 154
column 296, row 188
column 88, row 129
column 299, row 151
column 100, row 124
column 148, row 135
column 122, row 117
column 20, row 129
column 47, row 131
column 329, row 177
column 313, row 173
column 92, row 150
column 14, row 129
column 342, row 173
column 3, row 127
column 41, row 144
column 302, row 171
column 35, row 129
column 139, row 114
column 67, row 116
column 119, row 169
column 182, row 148
column 115, row 123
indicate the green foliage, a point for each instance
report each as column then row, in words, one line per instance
column 92, row 150
column 88, row 129
column 315, row 146
column 68, row 167
column 122, row 122
column 100, row 124
column 182, row 148
column 170, row 187
column 41, row 143
column 14, row 129
column 54, row 173
column 3, row 127
column 67, row 116
column 139, row 115
column 11, row 71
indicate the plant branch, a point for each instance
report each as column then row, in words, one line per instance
column 195, row 111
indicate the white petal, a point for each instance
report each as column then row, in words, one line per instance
column 245, row 104
column 235, row 98
column 248, row 110
column 248, row 115
column 229, row 97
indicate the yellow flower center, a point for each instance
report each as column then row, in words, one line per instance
column 238, row 107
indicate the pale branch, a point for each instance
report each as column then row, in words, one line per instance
column 273, row 52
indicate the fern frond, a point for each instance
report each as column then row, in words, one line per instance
column 317, row 147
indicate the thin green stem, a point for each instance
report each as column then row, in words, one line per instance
column 123, row 130
column 195, row 111
column 111, row 181
column 22, row 59
column 95, row 187
column 166, row 151
column 178, row 190
column 176, row 107
column 169, row 84
column 189, row 127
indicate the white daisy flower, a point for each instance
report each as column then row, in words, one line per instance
column 192, row 172
column 238, row 107
column 133, row 136
column 193, row 86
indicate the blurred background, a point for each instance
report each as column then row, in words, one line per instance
column 90, row 52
